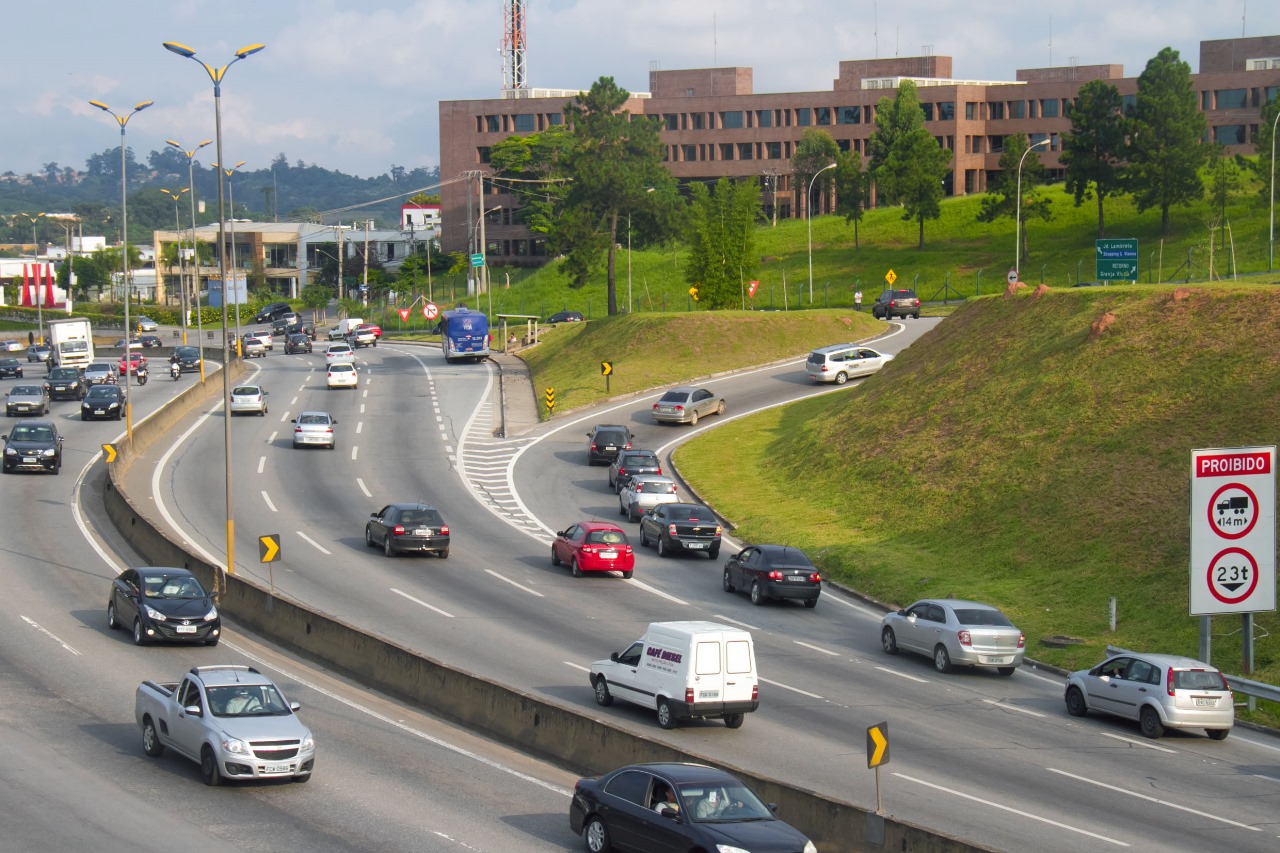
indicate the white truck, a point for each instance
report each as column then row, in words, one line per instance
column 231, row 720
column 344, row 327
column 70, row 343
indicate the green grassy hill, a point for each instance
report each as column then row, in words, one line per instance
column 1016, row 456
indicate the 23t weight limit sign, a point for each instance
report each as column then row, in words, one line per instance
column 1233, row 512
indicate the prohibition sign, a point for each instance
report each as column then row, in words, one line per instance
column 1253, row 504
column 1225, row 580
column 430, row 310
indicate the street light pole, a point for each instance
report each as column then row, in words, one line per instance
column 808, row 207
column 1271, row 242
column 124, row 253
column 195, row 252
column 1017, row 219
column 35, row 256
column 177, row 232
column 216, row 75
column 231, row 199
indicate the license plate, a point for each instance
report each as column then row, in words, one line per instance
column 695, row 545
column 610, row 447
column 422, row 531
column 997, row 659
column 666, row 409
column 1206, row 703
column 608, row 555
column 276, row 768
column 59, row 387
column 185, row 629
column 708, row 694
column 99, row 411
column 28, row 460
column 796, row 578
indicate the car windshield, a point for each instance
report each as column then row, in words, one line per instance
column 1197, row 679
column 606, row 537
column 611, row 436
column 32, row 433
column 246, row 390
column 688, row 513
column 185, row 351
column 26, row 391
column 172, row 586
column 247, row 700
column 64, row 373
column 982, row 616
column 634, row 459
column 723, row 803
column 101, row 391
column 314, row 420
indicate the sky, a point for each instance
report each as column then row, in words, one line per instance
column 356, row 86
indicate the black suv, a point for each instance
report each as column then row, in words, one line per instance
column 896, row 303
column 272, row 312
column 33, row 446
column 605, row 441
column 632, row 462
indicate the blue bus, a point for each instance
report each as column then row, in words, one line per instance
column 464, row 334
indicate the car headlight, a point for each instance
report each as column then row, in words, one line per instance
column 729, row 848
column 211, row 615
column 152, row 613
column 309, row 742
column 48, row 451
column 809, row 847
column 9, row 451
column 235, row 746
column 114, row 406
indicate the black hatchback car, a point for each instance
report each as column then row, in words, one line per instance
column 645, row 807
column 631, row 462
column 163, row 605
column 773, row 571
column 896, row 303
column 605, row 441
column 103, row 403
column 66, row 383
column 408, row 527
column 188, row 359
column 297, row 343
column 10, row 368
column 33, row 446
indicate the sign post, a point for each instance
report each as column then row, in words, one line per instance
column 1117, row 260
column 877, row 754
column 550, row 398
column 1012, row 277
column 606, row 368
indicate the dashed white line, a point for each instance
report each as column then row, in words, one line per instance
column 270, row 505
column 516, row 585
column 888, row 671
column 50, row 635
column 1007, row 707
column 262, row 463
column 420, row 601
column 313, row 543
column 294, row 401
column 576, row 665
column 817, row 648
column 746, row 625
column 1155, row 800
column 271, row 439
column 1147, row 744
column 364, row 488
column 359, row 427
column 792, row 689
column 362, row 408
column 354, row 449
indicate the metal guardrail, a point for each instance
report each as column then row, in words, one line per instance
column 1249, row 687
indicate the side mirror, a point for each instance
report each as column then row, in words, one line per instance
column 558, row 532
column 335, row 420
column 614, row 657
column 295, row 706
column 193, row 711
column 294, row 421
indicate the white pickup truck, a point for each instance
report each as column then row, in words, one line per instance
column 231, row 720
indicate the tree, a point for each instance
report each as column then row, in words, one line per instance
column 1262, row 141
column 1093, row 151
column 1002, row 189
column 720, row 235
column 815, row 152
column 851, row 190
column 1165, row 147
column 914, row 172
column 540, row 158
column 896, row 117
column 615, row 160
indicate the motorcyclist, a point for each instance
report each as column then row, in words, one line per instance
column 175, row 369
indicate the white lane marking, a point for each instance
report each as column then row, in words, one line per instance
column 79, row 516
column 576, row 665
column 159, row 499
column 365, row 392
column 270, row 505
column 658, row 592
column 792, row 689
column 817, row 649
column 972, row 798
column 284, row 418
column 420, row 601
column 1255, row 743
column 1155, row 800
column 1268, row 778
column 262, row 463
column 294, row 401
column 853, row 606
column 914, row 678
column 313, row 543
column 746, row 625
column 49, row 634
column 404, row 727
column 362, row 408
column 364, row 488
column 354, row 450
column 1007, row 707
column 271, row 439
column 359, row 427
column 516, row 585
column 1147, row 744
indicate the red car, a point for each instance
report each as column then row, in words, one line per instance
column 136, row 360
column 593, row 546
column 373, row 327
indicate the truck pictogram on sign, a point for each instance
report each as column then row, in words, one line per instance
column 1235, row 505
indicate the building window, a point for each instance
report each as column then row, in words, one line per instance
column 1231, row 99
column 1049, row 108
column 523, row 122
column 1128, row 103
column 1031, row 108
column 671, row 120
column 492, row 124
column 764, row 118
column 843, row 145
column 927, row 109
column 1229, row 134
column 745, row 152
column 969, row 109
column 689, row 93
column 726, row 150
column 555, row 119
column 689, row 153
column 946, row 111
column 482, row 154
column 1272, row 93
column 697, row 121
column 773, row 150
column 804, row 117
column 995, row 110
column 1017, row 109
column 848, row 115
column 1036, row 138
column 995, row 143
column 731, row 120
column 824, row 116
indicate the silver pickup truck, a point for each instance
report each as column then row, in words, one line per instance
column 231, row 720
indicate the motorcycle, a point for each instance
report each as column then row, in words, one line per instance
column 141, row 374
column 175, row 370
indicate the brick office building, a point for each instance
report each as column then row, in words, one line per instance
column 714, row 125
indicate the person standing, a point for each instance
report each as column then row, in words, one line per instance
column 857, row 299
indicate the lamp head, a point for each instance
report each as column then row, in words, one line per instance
column 100, row 105
column 180, row 49
column 143, row 106
column 247, row 51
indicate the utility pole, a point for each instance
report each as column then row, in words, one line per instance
column 364, row 281
column 341, row 251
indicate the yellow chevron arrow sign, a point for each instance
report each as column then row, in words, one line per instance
column 877, row 744
column 269, row 547
column 110, row 451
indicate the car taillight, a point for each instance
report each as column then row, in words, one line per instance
column 688, row 695
column 1022, row 640
column 1168, row 681
column 639, row 487
column 775, row 575
column 622, row 472
column 444, row 530
column 673, row 488
column 823, row 369
column 916, row 302
column 814, row 577
column 1225, row 685
column 755, row 692
column 593, row 447
column 398, row 530
column 965, row 638
column 626, row 446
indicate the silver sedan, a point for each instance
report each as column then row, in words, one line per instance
column 685, row 404
column 955, row 632
column 27, row 400
column 644, row 492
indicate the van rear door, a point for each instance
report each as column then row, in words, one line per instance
column 739, row 669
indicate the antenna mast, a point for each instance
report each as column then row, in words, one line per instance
column 513, row 44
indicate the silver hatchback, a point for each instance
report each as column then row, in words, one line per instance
column 644, row 492
column 1159, row 691
column 685, row 404
column 955, row 632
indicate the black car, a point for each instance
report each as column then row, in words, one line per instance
column 33, row 446
column 681, row 527
column 297, row 343
column 10, row 368
column 150, row 341
column 103, row 403
column 773, row 571
column 66, row 383
column 301, row 327
column 645, row 807
column 163, row 605
column 565, row 317
column 605, row 441
column 269, row 313
column 408, row 527
column 188, row 359
column 631, row 462
column 896, row 303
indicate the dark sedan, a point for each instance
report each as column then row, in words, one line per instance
column 408, row 527
column 628, row 463
column 188, row 359
column 773, row 571
column 103, row 403
column 33, row 446
column 163, row 605
column 606, row 441
column 565, row 317
column 297, row 343
column 10, row 368
column 150, row 341
column 681, row 527
column 646, row 807
column 66, row 383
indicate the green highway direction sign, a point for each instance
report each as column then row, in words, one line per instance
column 1117, row 260
column 477, row 260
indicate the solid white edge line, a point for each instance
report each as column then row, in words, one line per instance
column 1012, row 810
column 914, row 678
column 158, row 497
column 50, row 635
column 513, row 583
column 84, row 525
column 421, row 602
column 792, row 689
column 1155, row 800
column 313, row 543
column 1007, row 707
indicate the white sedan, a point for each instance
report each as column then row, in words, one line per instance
column 643, row 492
column 249, row 399
column 339, row 353
column 342, row 375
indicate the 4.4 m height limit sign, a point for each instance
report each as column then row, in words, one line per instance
column 1233, row 530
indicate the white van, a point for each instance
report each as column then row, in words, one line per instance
column 684, row 671
column 344, row 328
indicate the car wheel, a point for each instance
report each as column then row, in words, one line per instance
column 720, row 408
column 555, row 558
column 1149, row 722
column 603, row 696
column 714, row 553
column 1218, row 734
column 112, row 622
column 595, row 836
column 666, row 718
column 444, row 553
column 209, row 767
column 941, row 660
column 1076, row 706
column 811, row 603
column 387, row 548
column 693, row 418
column 626, row 576
column 1006, row 671
column 757, row 594
column 728, row 584
column 139, row 638
column 644, row 538
column 888, row 641
column 303, row 779
column 575, row 568
column 151, row 744
column 663, row 550
column 916, row 315
column 734, row 721
column 842, row 378
column 368, row 532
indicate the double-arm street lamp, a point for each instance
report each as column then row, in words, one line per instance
column 216, row 75
column 231, row 202
column 195, row 251
column 808, row 207
column 177, row 195
column 1017, row 219
column 124, row 252
column 35, row 256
